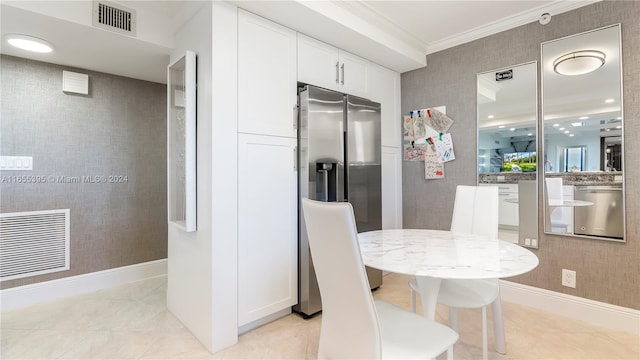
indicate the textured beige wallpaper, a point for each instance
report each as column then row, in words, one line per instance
column 118, row 129
column 606, row 271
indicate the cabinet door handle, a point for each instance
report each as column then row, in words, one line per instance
column 296, row 108
column 342, row 67
column 337, row 72
column 295, row 158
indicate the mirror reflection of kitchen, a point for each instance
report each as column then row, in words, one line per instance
column 507, row 145
column 582, row 142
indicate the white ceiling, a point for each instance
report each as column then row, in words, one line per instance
column 396, row 34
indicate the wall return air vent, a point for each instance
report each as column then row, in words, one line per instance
column 114, row 17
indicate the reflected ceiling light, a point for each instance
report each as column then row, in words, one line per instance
column 501, row 127
column 619, row 127
column 529, row 134
column 609, row 101
column 619, row 118
column 556, row 125
column 567, row 131
column 512, row 129
column 579, row 62
column 490, row 117
column 583, row 117
column 570, row 134
column 561, row 129
column 576, row 124
column 29, row 43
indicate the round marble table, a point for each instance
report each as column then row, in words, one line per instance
column 433, row 255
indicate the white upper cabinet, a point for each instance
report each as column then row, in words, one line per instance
column 385, row 89
column 267, row 77
column 328, row 67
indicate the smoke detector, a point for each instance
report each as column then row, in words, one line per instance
column 114, row 17
column 545, row 18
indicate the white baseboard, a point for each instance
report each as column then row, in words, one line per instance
column 26, row 295
column 265, row 320
column 593, row 312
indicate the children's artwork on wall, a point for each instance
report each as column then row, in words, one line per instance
column 444, row 148
column 433, row 168
column 426, row 139
column 438, row 120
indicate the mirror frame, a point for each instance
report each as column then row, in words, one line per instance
column 543, row 170
column 534, row 234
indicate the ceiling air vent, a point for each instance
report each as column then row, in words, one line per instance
column 114, row 17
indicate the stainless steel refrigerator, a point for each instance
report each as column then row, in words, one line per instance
column 339, row 160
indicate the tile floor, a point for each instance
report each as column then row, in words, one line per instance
column 132, row 322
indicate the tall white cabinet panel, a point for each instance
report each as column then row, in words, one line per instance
column 267, row 77
column 267, row 226
column 385, row 89
column 391, row 187
column 323, row 65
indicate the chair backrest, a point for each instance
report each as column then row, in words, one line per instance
column 475, row 210
column 350, row 326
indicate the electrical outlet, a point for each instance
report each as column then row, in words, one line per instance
column 569, row 278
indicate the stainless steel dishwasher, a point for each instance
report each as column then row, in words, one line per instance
column 605, row 216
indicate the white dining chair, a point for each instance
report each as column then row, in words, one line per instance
column 354, row 326
column 555, row 195
column 475, row 211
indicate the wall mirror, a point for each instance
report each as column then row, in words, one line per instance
column 582, row 141
column 507, row 145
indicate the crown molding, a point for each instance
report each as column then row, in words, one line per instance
column 507, row 23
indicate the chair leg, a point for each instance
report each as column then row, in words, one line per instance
column 413, row 301
column 485, row 353
column 450, row 352
column 453, row 318
column 498, row 326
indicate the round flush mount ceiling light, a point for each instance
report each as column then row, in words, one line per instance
column 579, row 62
column 29, row 43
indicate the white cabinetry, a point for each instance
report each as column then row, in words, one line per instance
column 508, row 210
column 267, row 226
column 328, row 67
column 267, row 80
column 267, row 175
column 391, row 187
column 385, row 89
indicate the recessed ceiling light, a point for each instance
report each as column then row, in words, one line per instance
column 561, row 129
column 583, row 117
column 608, row 101
column 501, row 127
column 556, row 125
column 512, row 129
column 490, row 117
column 579, row 62
column 29, row 43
